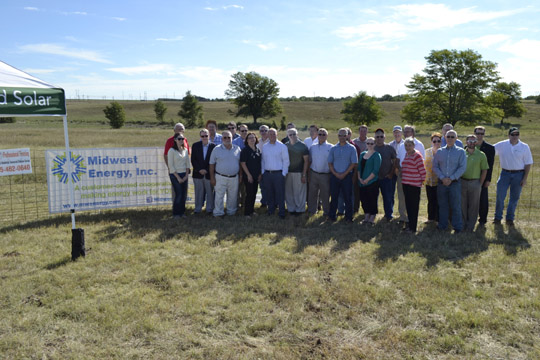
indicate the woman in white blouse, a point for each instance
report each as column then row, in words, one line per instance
column 179, row 168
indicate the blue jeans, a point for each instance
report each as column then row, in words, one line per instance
column 336, row 187
column 388, row 189
column 512, row 180
column 179, row 203
column 449, row 199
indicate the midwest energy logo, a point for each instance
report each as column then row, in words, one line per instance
column 60, row 168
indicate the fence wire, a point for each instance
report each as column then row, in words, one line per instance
column 24, row 197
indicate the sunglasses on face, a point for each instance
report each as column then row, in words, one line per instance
column 263, row 131
column 226, row 137
column 243, row 130
column 379, row 136
column 179, row 139
column 370, row 143
column 204, row 135
column 450, row 137
column 514, row 134
column 478, row 133
column 231, row 128
column 323, row 134
column 436, row 141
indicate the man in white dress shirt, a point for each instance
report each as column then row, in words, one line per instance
column 275, row 166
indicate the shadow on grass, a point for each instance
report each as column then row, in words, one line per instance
column 435, row 245
column 157, row 224
column 59, row 263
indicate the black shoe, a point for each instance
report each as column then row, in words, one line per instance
column 282, row 217
column 497, row 221
column 340, row 214
column 510, row 222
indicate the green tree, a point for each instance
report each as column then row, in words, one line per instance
column 537, row 100
column 116, row 115
column 452, row 88
column 191, row 111
column 160, row 109
column 362, row 109
column 507, row 98
column 254, row 95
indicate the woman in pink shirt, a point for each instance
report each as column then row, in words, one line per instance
column 413, row 174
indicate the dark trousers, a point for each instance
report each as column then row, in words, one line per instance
column 251, row 193
column 412, row 203
column 336, row 186
column 180, row 192
column 368, row 195
column 356, row 205
column 432, row 204
column 388, row 189
column 484, row 206
column 274, row 183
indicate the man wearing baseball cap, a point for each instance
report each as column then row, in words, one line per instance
column 516, row 159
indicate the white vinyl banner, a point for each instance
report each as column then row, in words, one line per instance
column 15, row 162
column 108, row 178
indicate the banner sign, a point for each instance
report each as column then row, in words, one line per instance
column 35, row 101
column 108, row 178
column 15, row 162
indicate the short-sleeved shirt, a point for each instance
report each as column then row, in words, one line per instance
column 252, row 158
column 310, row 142
column 476, row 162
column 239, row 142
column 227, row 161
column 388, row 155
column 318, row 157
column 296, row 156
column 342, row 156
column 361, row 144
column 513, row 157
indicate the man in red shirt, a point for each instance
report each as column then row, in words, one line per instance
column 178, row 128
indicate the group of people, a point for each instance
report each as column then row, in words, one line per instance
column 313, row 173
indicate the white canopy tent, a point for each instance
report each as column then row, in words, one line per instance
column 22, row 94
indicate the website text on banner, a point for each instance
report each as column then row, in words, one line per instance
column 108, row 178
column 15, row 162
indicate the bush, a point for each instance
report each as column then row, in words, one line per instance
column 116, row 115
column 7, row 120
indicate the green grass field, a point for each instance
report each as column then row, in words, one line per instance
column 261, row 288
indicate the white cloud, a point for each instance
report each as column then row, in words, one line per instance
column 74, row 13
column 411, row 18
column 260, row 45
column 523, row 49
column 55, row 49
column 482, row 42
column 30, row 8
column 226, row 7
column 48, row 71
column 118, row 18
column 233, row 7
column 439, row 16
column 176, row 38
column 143, row 69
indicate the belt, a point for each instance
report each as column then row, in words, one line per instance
column 469, row 179
column 454, row 181
column 273, row 171
column 229, row 176
column 513, row 171
column 316, row 172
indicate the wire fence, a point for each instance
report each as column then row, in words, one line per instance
column 25, row 197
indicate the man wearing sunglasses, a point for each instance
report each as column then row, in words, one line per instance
column 516, row 159
column 239, row 141
column 489, row 150
column 200, row 159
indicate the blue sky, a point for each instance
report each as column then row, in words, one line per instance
column 132, row 49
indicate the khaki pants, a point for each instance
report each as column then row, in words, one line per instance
column 319, row 188
column 295, row 193
column 470, row 202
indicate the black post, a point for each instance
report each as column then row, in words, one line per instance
column 77, row 243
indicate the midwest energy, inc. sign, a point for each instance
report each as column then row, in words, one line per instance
column 24, row 101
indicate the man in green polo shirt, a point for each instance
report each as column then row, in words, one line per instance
column 471, row 183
